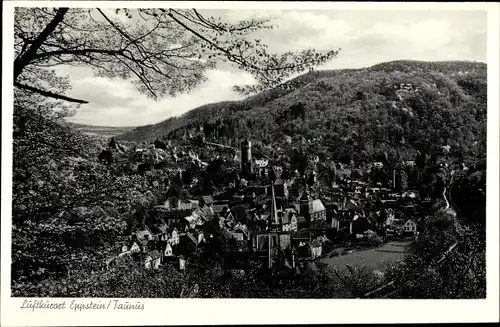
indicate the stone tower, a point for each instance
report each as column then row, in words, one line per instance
column 246, row 157
column 312, row 178
column 305, row 201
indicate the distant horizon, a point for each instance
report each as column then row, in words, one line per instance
column 245, row 97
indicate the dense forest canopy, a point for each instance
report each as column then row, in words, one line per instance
column 356, row 114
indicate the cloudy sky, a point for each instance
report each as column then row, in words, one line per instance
column 365, row 37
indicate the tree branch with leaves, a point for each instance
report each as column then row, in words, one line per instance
column 161, row 51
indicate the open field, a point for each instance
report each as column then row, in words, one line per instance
column 376, row 258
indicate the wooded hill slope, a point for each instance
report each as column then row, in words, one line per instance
column 391, row 108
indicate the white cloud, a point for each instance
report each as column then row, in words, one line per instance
column 234, row 16
column 366, row 38
column 307, row 30
column 422, row 36
column 296, row 30
column 118, row 103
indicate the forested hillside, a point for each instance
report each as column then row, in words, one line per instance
column 399, row 106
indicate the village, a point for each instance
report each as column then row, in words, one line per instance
column 260, row 219
column 176, row 152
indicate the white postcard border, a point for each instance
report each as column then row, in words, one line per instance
column 241, row 311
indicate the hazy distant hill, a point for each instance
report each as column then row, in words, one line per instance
column 105, row 131
column 353, row 112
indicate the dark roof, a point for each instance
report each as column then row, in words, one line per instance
column 258, row 190
column 250, row 194
column 262, row 241
column 303, row 233
column 227, row 195
column 240, row 213
column 139, row 241
column 319, row 224
column 154, row 229
column 191, row 237
column 279, row 190
column 177, row 214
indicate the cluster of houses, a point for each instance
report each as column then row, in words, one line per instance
column 292, row 230
column 359, row 209
column 282, row 230
column 183, row 228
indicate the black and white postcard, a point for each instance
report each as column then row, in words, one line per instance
column 249, row 162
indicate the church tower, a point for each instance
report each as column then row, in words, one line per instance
column 305, row 202
column 246, row 157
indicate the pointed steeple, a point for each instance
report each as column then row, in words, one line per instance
column 274, row 211
column 305, row 195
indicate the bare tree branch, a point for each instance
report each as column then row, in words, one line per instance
column 164, row 52
column 48, row 93
column 76, row 52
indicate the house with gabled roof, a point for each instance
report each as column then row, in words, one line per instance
column 194, row 220
column 359, row 224
column 174, row 237
column 241, row 232
column 137, row 246
column 261, row 167
column 168, row 252
column 410, row 226
column 140, row 241
column 159, row 230
column 145, row 234
column 288, row 219
column 172, row 218
column 317, row 210
column 152, row 260
column 315, row 249
column 237, row 236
